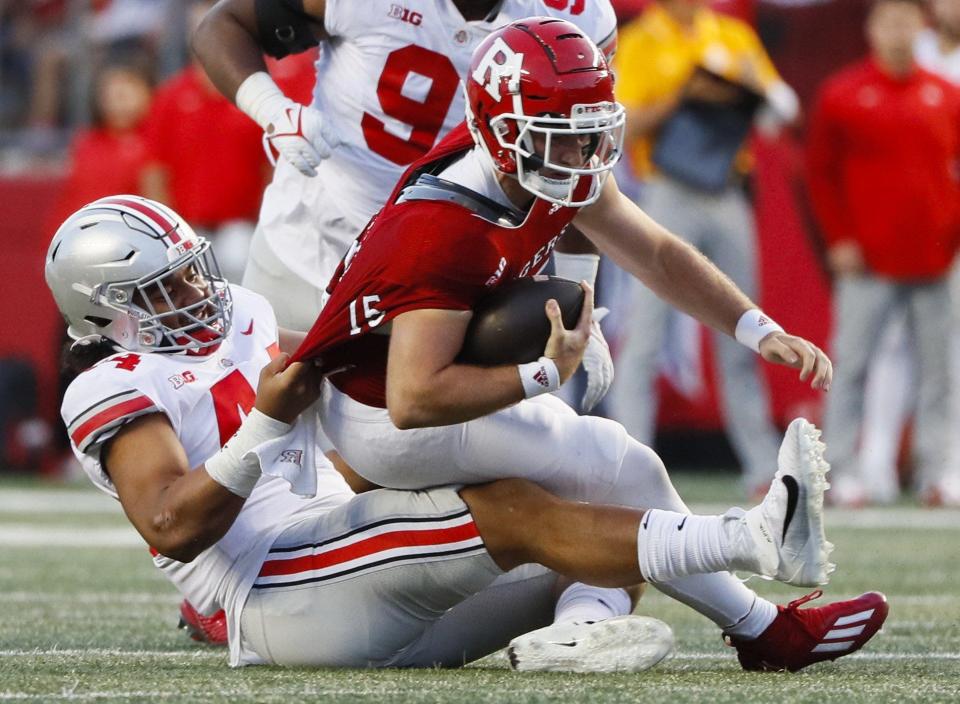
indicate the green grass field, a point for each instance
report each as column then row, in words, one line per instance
column 84, row 616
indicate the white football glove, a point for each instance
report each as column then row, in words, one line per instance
column 296, row 134
column 597, row 363
column 290, row 130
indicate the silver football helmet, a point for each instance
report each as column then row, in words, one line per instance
column 113, row 257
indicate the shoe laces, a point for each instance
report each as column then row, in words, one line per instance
column 793, row 606
column 797, row 603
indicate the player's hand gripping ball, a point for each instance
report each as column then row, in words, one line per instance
column 510, row 325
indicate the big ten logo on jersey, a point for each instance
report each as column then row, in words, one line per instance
column 539, row 259
column 179, row 380
column 498, row 63
column 403, row 14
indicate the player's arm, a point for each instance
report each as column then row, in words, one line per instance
column 180, row 512
column 229, row 44
column 682, row 276
column 427, row 387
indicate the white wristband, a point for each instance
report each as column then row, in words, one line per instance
column 753, row 326
column 576, row 267
column 236, row 466
column 540, row 377
column 260, row 98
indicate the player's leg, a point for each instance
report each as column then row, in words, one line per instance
column 296, row 302
column 576, row 457
column 862, row 305
column 929, row 308
column 399, row 579
column 300, row 237
column 357, row 586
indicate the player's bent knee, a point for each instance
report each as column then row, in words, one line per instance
column 504, row 511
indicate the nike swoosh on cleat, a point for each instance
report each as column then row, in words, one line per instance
column 571, row 644
column 793, row 495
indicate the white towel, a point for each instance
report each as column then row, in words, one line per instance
column 295, row 457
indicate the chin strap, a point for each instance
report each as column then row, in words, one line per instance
column 87, row 341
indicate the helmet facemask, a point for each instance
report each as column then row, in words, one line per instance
column 161, row 326
column 539, row 145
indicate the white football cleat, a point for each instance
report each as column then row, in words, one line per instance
column 619, row 644
column 787, row 527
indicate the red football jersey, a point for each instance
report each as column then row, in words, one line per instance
column 420, row 254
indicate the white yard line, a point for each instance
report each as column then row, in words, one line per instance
column 98, row 598
column 855, row 656
column 20, row 535
column 56, row 501
column 894, row 517
column 59, row 501
column 220, row 654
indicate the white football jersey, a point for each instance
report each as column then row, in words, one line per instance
column 205, row 400
column 389, row 87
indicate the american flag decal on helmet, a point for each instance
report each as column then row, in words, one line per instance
column 375, row 546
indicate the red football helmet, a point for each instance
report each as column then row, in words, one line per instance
column 540, row 103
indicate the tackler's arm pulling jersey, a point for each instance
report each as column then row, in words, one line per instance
column 205, row 399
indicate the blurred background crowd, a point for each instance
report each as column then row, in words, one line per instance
column 808, row 147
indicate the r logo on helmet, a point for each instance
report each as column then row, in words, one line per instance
column 498, row 63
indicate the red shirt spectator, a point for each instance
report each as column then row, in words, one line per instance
column 103, row 162
column 108, row 157
column 882, row 155
column 210, row 157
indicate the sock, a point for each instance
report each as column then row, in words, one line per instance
column 678, row 551
column 580, row 602
column 672, row 545
column 761, row 615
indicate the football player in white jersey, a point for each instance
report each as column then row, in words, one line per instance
column 388, row 88
column 174, row 417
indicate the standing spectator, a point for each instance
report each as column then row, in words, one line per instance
column 109, row 156
column 938, row 50
column 206, row 159
column 883, row 145
column 890, row 392
column 691, row 80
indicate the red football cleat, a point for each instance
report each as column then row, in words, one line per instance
column 203, row 629
column 800, row 637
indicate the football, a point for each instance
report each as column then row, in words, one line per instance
column 510, row 325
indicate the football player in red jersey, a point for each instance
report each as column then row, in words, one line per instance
column 387, row 88
column 486, row 205
column 186, row 412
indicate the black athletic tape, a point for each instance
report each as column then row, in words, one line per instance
column 284, row 27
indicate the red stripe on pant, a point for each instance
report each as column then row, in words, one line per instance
column 370, row 546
